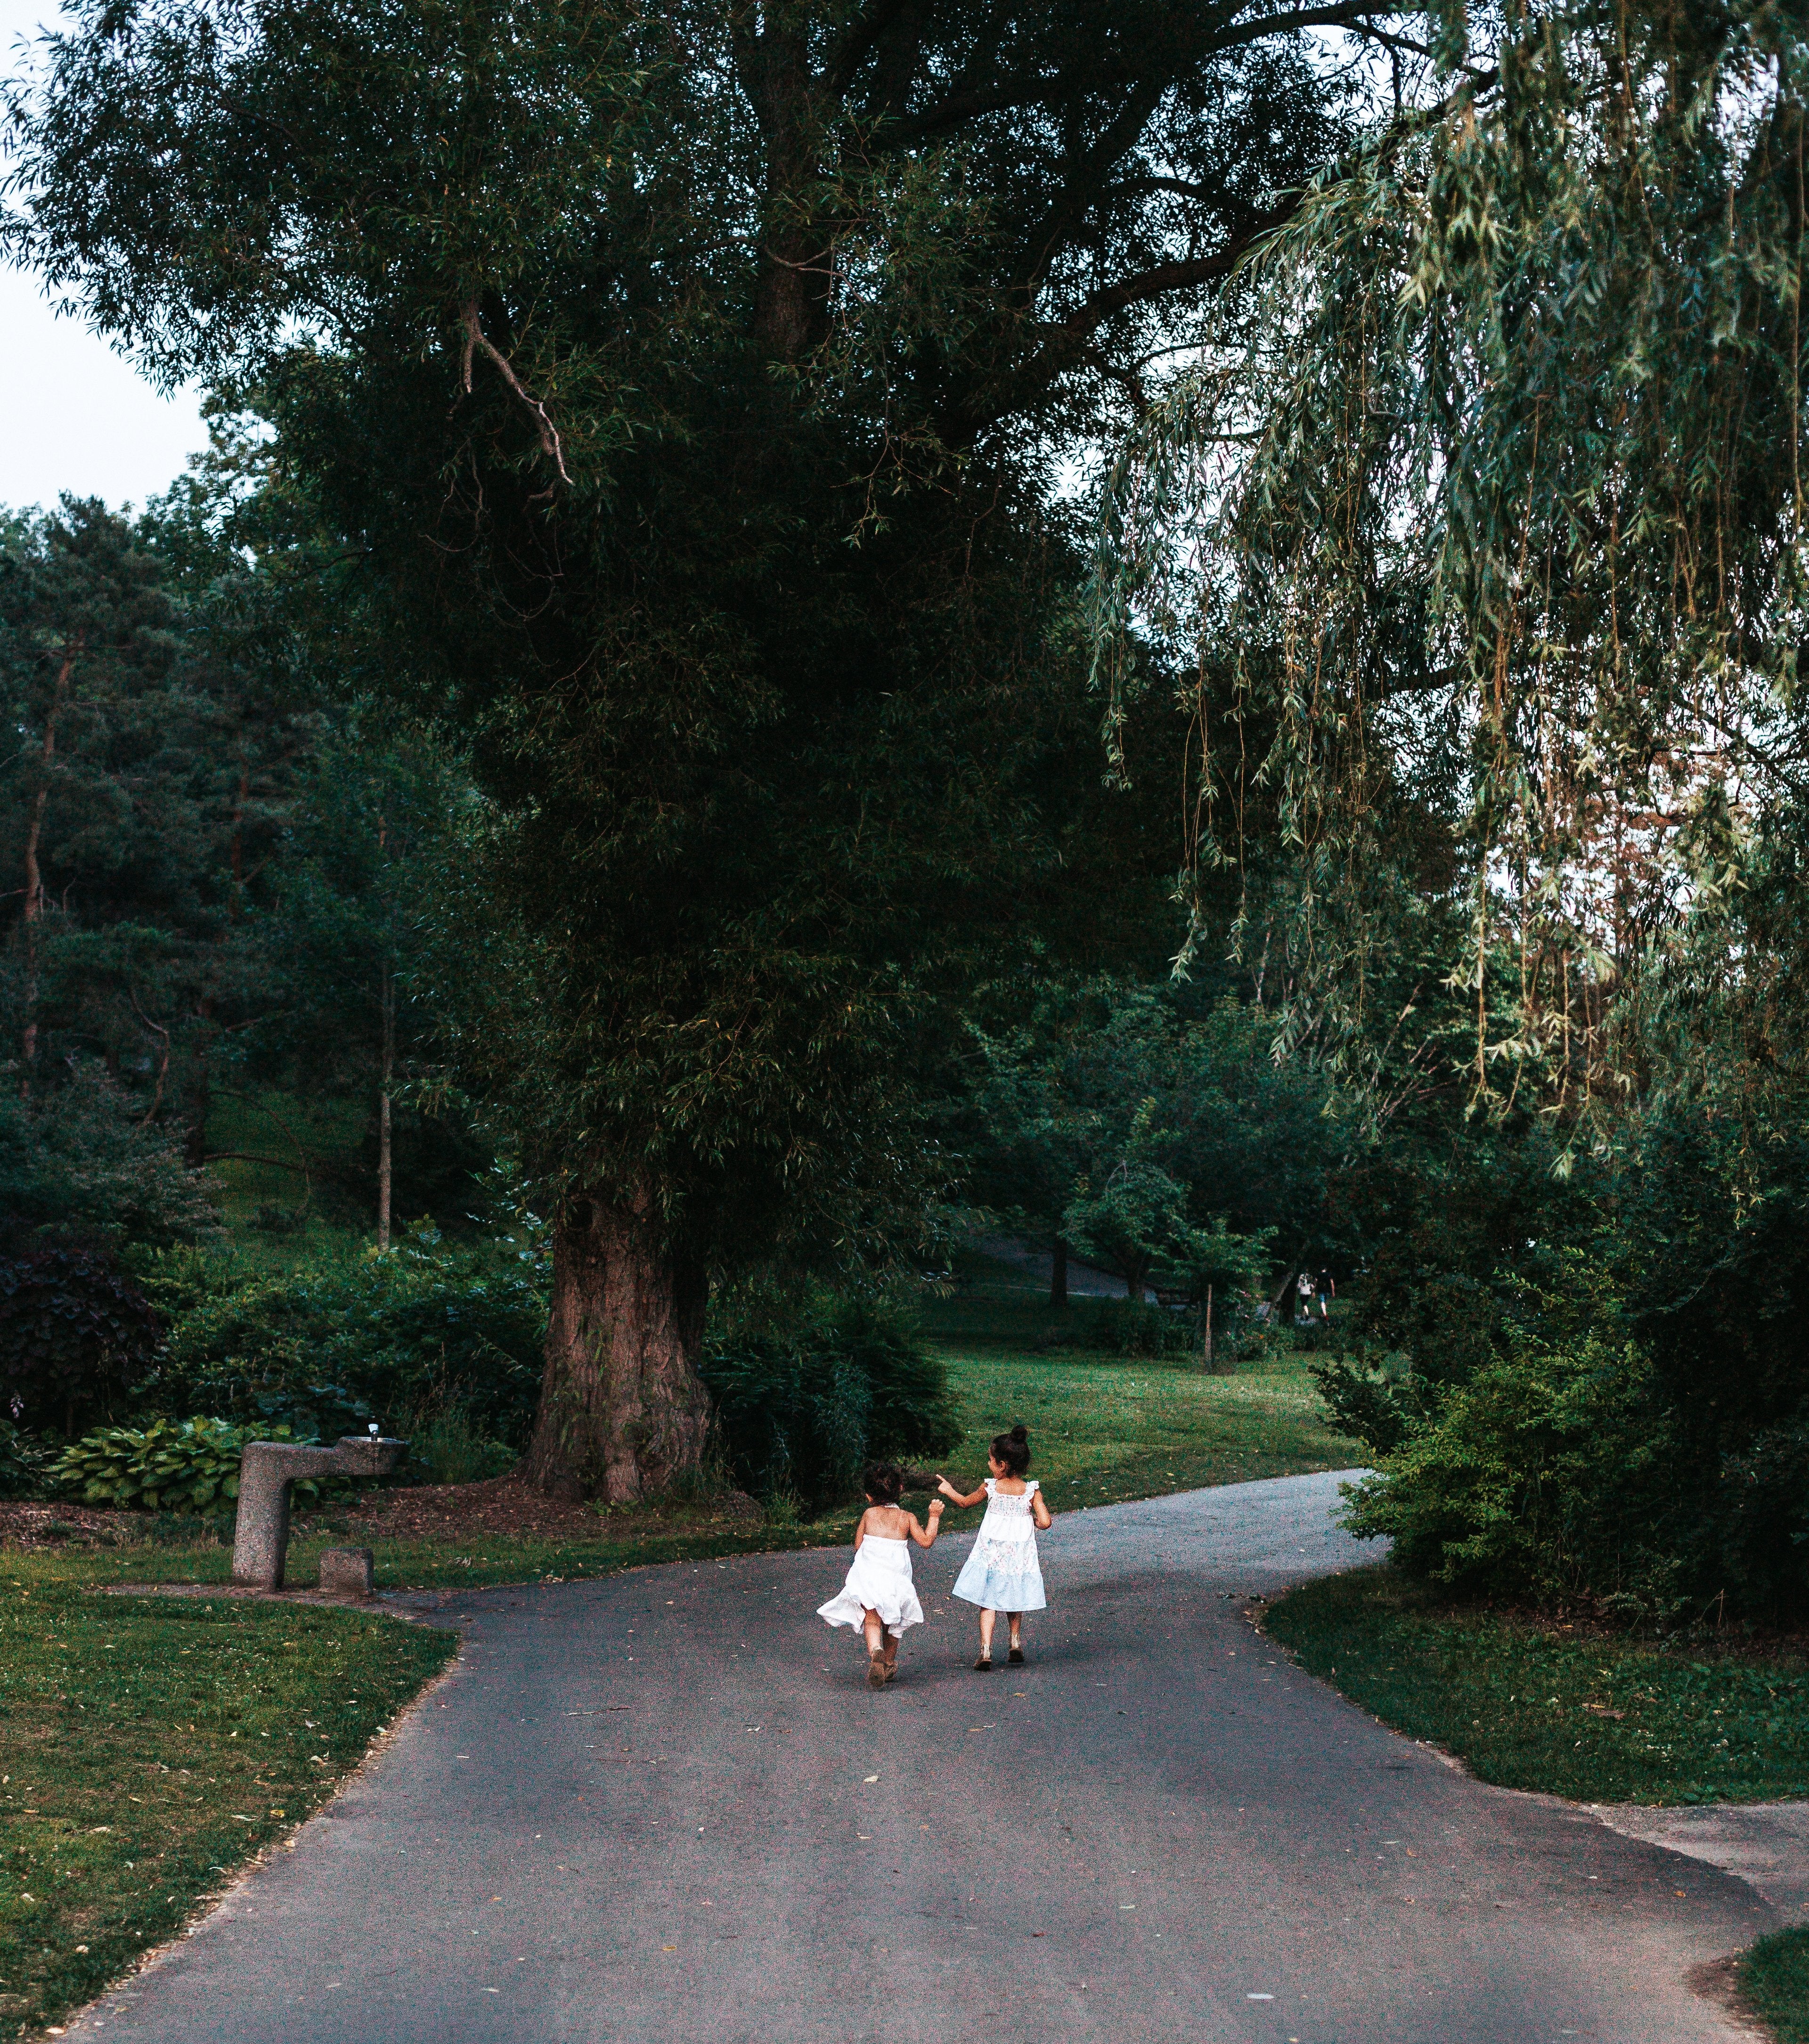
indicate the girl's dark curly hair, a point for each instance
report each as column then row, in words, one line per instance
column 1013, row 1450
column 883, row 1482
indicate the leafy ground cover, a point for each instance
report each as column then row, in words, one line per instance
column 1600, row 1718
column 148, row 1747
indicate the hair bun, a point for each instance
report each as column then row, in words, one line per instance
column 1018, row 1433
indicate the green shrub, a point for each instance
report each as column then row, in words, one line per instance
column 807, row 1391
column 1127, row 1327
column 337, row 1341
column 444, row 1446
column 25, row 1461
column 1550, row 1476
column 74, row 1333
column 189, row 1466
column 1380, row 1407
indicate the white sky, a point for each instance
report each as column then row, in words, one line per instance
column 76, row 417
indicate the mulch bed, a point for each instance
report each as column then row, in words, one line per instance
column 507, row 1505
column 39, row 1527
column 432, row 1512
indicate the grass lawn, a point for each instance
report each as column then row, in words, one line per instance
column 1602, row 1719
column 1106, row 1427
column 1775, row 1976
column 131, row 1784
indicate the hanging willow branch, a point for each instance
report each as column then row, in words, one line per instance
column 1497, row 525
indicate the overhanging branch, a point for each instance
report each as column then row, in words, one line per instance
column 476, row 338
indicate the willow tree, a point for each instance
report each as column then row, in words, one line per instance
column 1482, row 542
column 685, row 384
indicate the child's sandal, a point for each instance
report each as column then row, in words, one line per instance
column 983, row 1665
column 876, row 1671
column 1015, row 1657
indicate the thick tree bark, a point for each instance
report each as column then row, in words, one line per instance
column 792, row 290
column 1059, row 1274
column 623, row 1410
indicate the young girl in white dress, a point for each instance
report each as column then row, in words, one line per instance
column 1002, row 1573
column 878, row 1599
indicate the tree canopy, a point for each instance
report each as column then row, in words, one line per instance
column 685, row 386
column 1483, row 539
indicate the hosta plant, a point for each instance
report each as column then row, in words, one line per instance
column 182, row 1466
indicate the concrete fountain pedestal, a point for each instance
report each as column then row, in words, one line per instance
column 267, row 1472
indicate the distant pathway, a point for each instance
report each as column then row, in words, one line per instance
column 663, row 1809
column 1084, row 1281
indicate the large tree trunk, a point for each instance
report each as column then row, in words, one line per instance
column 1059, row 1274
column 623, row 1410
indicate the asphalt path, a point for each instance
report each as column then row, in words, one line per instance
column 665, row 1807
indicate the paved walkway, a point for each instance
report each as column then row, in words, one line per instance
column 663, row 1808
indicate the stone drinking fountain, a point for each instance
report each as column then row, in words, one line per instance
column 267, row 1471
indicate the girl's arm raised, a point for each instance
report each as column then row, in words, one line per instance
column 928, row 1539
column 955, row 1496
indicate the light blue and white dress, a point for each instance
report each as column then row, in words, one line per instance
column 1002, row 1573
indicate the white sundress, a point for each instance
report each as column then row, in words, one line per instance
column 1002, row 1573
column 880, row 1581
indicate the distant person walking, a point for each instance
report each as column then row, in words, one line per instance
column 1327, row 1292
column 879, row 1599
column 1003, row 1573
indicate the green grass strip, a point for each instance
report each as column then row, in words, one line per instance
column 1774, row 1976
column 1600, row 1720
column 149, row 1746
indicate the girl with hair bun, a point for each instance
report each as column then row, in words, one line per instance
column 1002, row 1573
column 878, row 1600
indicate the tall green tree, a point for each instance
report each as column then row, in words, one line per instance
column 142, row 803
column 686, row 385
column 1479, row 536
column 1169, row 1146
column 88, row 646
column 345, row 937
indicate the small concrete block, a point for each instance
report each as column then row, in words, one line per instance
column 346, row 1572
